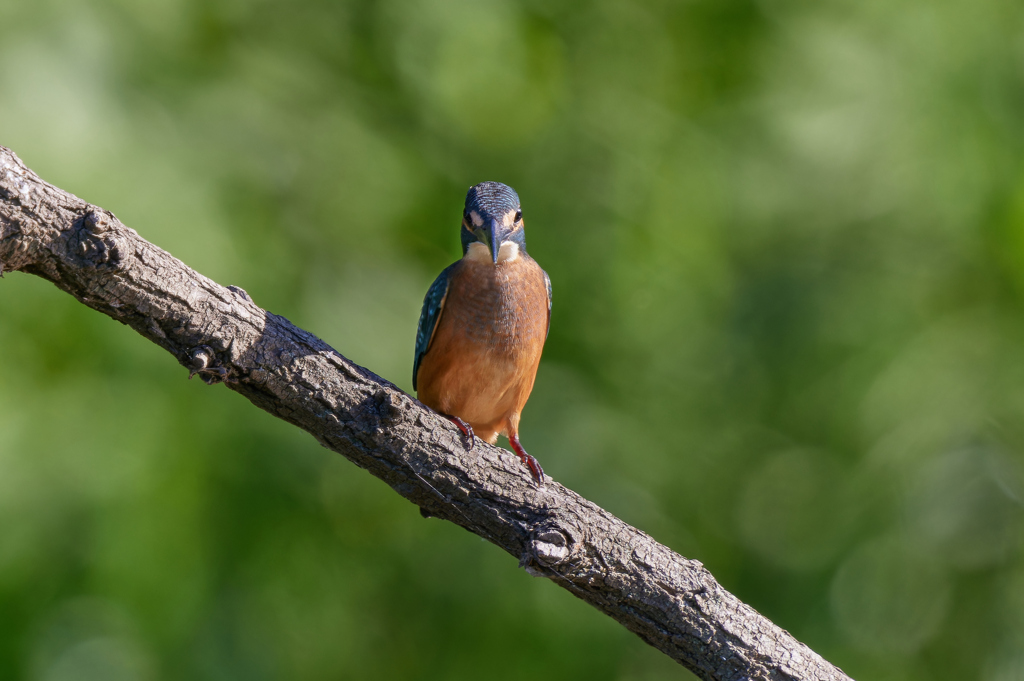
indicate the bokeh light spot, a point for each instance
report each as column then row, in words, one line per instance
column 887, row 597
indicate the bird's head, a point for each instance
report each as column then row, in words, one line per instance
column 492, row 223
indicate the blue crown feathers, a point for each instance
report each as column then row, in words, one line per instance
column 493, row 199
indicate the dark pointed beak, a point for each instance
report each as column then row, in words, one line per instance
column 494, row 236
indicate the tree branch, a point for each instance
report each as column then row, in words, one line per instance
column 218, row 333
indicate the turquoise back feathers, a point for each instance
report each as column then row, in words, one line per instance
column 433, row 303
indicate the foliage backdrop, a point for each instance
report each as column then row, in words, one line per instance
column 787, row 247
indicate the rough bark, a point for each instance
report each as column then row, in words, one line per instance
column 218, row 333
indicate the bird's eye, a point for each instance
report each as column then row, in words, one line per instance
column 519, row 215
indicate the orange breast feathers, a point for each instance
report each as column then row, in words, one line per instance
column 484, row 354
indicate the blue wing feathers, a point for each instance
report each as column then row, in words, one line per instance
column 433, row 304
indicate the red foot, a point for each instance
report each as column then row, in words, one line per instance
column 535, row 470
column 466, row 429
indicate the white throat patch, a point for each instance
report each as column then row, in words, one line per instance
column 507, row 252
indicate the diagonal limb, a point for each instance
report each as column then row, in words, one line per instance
column 671, row 602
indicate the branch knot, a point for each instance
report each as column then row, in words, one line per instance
column 93, row 244
column 388, row 407
column 203, row 361
column 548, row 548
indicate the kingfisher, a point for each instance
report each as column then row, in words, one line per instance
column 483, row 325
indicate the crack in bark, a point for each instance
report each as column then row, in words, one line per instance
column 220, row 334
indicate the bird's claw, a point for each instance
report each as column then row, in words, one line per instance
column 466, row 429
column 535, row 470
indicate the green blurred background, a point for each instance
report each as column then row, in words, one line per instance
column 786, row 241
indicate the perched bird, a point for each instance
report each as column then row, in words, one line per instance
column 484, row 322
